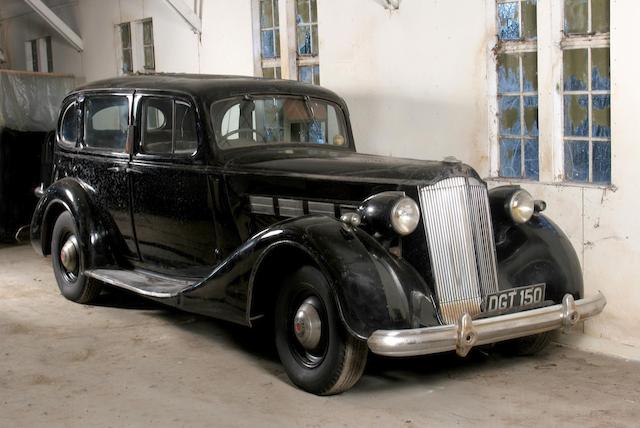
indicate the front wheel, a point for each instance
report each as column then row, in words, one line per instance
column 68, row 262
column 317, row 352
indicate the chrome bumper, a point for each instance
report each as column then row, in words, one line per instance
column 468, row 333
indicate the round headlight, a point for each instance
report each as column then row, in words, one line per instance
column 521, row 206
column 405, row 216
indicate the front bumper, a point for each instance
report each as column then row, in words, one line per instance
column 468, row 333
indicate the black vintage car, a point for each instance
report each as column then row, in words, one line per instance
column 245, row 199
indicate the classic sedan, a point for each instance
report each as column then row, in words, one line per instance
column 245, row 199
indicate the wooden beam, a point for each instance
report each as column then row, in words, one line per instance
column 188, row 14
column 58, row 24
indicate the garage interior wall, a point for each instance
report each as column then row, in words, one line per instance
column 416, row 81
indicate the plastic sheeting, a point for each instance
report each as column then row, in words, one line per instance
column 31, row 101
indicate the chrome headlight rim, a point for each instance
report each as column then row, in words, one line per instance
column 404, row 216
column 521, row 206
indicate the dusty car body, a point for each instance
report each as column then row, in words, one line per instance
column 244, row 199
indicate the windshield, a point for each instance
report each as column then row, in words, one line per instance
column 272, row 120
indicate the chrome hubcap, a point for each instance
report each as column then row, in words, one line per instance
column 69, row 254
column 307, row 325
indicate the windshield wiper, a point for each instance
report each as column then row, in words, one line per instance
column 307, row 104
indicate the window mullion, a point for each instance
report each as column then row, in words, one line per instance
column 287, row 23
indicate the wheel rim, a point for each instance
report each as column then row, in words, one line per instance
column 70, row 258
column 307, row 325
column 308, row 339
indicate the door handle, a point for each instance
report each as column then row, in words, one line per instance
column 117, row 169
column 133, row 171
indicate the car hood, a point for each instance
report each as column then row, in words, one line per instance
column 343, row 165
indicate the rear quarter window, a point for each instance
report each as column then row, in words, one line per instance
column 69, row 125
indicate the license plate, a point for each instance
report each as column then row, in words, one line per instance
column 514, row 297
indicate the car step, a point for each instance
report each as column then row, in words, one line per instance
column 143, row 282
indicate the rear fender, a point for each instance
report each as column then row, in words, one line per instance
column 96, row 231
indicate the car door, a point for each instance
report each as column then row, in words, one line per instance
column 103, row 158
column 172, row 204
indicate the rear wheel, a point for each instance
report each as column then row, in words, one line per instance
column 68, row 262
column 528, row 345
column 317, row 352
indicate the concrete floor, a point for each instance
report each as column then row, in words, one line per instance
column 127, row 362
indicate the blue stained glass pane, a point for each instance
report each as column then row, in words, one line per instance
column 575, row 69
column 530, row 71
column 305, row 74
column 531, row 163
column 531, row 116
column 510, row 158
column 576, row 160
column 508, row 21
column 267, row 44
column 576, row 111
column 509, row 115
column 508, row 73
column 600, row 69
column 602, row 162
column 601, row 121
column 266, row 14
column 304, row 40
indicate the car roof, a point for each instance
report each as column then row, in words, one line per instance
column 211, row 87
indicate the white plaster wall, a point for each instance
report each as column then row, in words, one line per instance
column 414, row 78
column 225, row 47
column 227, row 38
column 28, row 26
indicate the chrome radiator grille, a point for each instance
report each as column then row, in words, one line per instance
column 459, row 233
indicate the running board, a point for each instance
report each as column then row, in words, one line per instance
column 142, row 282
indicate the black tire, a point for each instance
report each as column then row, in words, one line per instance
column 523, row 346
column 338, row 361
column 73, row 284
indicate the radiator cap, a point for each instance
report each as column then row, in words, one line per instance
column 451, row 159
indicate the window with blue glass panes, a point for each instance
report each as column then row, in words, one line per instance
column 270, row 39
column 586, row 91
column 307, row 41
column 517, row 71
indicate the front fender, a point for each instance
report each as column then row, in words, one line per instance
column 538, row 252
column 372, row 289
column 95, row 235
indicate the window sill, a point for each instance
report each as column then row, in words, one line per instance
column 524, row 181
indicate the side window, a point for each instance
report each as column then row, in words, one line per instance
column 69, row 125
column 157, row 129
column 106, row 119
column 186, row 138
column 168, row 128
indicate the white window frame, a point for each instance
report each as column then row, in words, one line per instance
column 550, row 43
column 137, row 46
column 44, row 57
column 289, row 60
